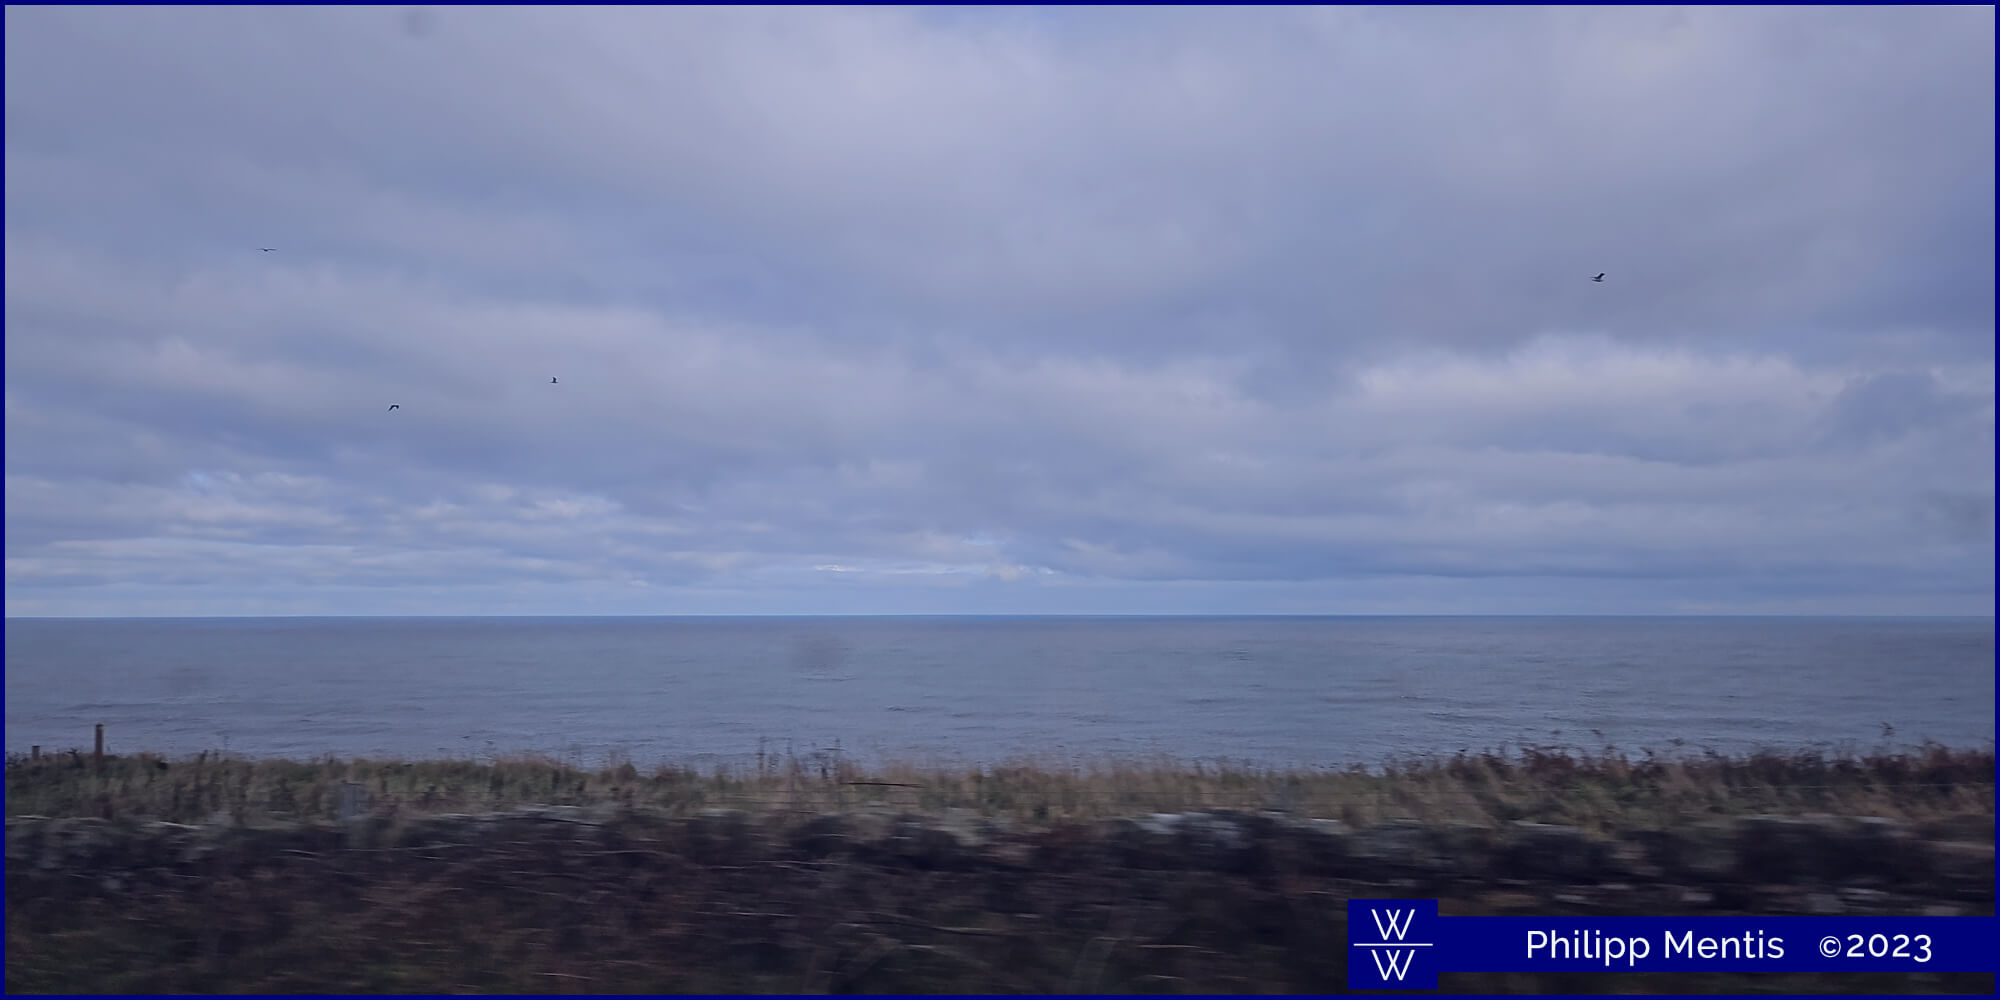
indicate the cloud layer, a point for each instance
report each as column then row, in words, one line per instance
column 886, row 310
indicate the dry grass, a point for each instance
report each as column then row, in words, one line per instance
column 1605, row 790
column 662, row 918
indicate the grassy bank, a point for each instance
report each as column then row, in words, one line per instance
column 771, row 900
column 1594, row 791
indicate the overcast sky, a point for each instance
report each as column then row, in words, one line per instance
column 967, row 311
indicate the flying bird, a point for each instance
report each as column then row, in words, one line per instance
column 552, row 380
column 1600, row 276
column 394, row 406
column 267, row 249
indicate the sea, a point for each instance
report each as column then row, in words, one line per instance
column 1277, row 692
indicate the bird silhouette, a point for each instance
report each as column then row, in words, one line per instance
column 267, row 249
column 552, row 380
column 1600, row 277
column 394, row 406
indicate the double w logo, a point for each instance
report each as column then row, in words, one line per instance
column 1393, row 925
column 1391, row 961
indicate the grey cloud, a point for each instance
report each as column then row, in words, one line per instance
column 1963, row 517
column 1005, row 165
column 1892, row 404
column 1200, row 307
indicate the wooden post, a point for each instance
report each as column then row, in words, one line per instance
column 98, row 757
column 35, row 752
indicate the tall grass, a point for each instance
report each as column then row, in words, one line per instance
column 1596, row 790
column 509, row 916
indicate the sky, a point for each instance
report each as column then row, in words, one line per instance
column 999, row 310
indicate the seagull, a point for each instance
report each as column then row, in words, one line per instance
column 267, row 249
column 552, row 380
column 394, row 406
column 1600, row 277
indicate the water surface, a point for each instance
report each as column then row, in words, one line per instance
column 1314, row 691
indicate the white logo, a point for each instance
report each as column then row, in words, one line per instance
column 1393, row 962
column 1398, row 924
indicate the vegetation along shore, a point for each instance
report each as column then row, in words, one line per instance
column 218, row 873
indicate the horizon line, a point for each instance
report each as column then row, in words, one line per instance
column 1030, row 614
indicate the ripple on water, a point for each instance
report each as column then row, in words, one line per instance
column 1332, row 690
